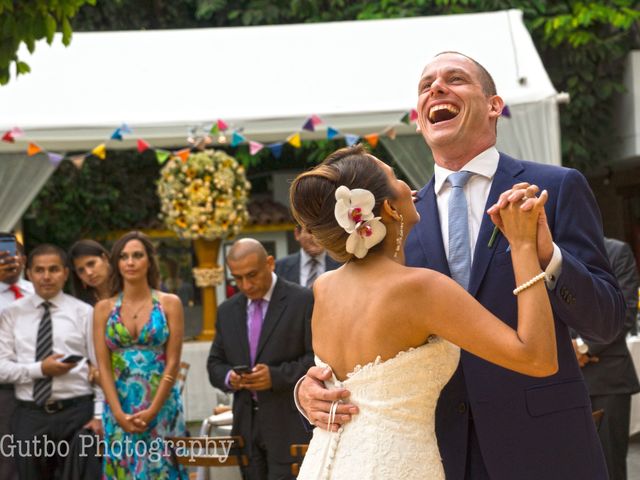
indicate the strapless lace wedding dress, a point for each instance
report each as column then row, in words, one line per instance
column 393, row 436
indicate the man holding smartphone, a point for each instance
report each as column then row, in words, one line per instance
column 12, row 287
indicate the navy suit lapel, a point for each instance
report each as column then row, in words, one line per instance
column 428, row 232
column 277, row 306
column 240, row 330
column 504, row 179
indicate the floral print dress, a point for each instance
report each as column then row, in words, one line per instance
column 138, row 366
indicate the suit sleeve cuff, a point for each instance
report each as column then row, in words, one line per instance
column 226, row 380
column 295, row 399
column 554, row 269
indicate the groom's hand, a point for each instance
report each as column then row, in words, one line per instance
column 316, row 399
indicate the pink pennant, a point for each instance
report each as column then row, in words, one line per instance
column 17, row 132
column 255, row 147
column 413, row 116
column 316, row 120
column 222, row 125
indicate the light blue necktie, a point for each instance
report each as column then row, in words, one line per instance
column 459, row 248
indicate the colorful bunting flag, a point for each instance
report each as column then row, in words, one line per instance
column 100, row 151
column 55, row 158
column 351, row 139
column 142, row 145
column 390, row 133
column 276, row 149
column 405, row 119
column 294, row 140
column 308, row 125
column 8, row 137
column 255, row 147
column 32, row 149
column 332, row 133
column 222, row 125
column 316, row 120
column 236, row 139
column 183, row 154
column 116, row 135
column 506, row 112
column 124, row 128
column 372, row 139
column 78, row 161
column 214, row 129
column 162, row 155
column 413, row 115
column 17, row 132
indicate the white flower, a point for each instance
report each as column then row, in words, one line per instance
column 354, row 213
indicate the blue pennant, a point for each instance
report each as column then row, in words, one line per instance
column 236, row 139
column 276, row 149
column 332, row 133
column 116, row 135
column 351, row 139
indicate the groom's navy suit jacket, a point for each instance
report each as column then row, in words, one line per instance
column 528, row 428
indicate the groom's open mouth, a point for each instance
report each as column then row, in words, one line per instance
column 442, row 112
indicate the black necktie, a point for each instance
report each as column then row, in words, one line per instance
column 313, row 271
column 44, row 348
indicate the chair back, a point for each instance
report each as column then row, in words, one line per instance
column 297, row 451
column 209, row 451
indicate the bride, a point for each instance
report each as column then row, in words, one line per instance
column 389, row 332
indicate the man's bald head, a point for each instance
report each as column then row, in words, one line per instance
column 244, row 247
column 251, row 267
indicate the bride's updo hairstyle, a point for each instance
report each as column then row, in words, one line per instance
column 313, row 200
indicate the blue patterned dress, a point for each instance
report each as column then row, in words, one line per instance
column 138, row 366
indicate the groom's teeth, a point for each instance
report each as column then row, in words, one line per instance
column 444, row 106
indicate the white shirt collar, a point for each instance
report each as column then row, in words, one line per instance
column 56, row 301
column 485, row 164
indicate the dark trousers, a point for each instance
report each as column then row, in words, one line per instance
column 30, row 425
column 262, row 464
column 8, row 469
column 614, row 431
column 475, row 468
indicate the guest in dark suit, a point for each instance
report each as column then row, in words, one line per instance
column 608, row 367
column 308, row 263
column 492, row 423
column 266, row 327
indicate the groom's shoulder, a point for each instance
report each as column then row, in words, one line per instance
column 535, row 167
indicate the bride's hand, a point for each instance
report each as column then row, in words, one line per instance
column 315, row 399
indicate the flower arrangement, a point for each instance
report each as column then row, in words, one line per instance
column 205, row 196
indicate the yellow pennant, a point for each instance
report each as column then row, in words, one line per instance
column 294, row 140
column 100, row 151
column 32, row 149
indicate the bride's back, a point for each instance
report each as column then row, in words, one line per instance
column 364, row 310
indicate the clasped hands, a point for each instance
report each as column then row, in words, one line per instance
column 259, row 379
column 315, row 399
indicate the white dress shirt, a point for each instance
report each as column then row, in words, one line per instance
column 305, row 267
column 7, row 297
column 72, row 322
column 476, row 192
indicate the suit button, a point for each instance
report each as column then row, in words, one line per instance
column 462, row 407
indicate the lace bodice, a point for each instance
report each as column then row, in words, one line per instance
column 393, row 436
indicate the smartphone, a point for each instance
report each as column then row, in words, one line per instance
column 240, row 369
column 8, row 244
column 71, row 358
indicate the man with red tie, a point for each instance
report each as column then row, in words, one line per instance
column 12, row 287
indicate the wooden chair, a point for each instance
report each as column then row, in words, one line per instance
column 597, row 417
column 182, row 374
column 209, row 451
column 297, row 451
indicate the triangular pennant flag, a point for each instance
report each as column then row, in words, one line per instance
column 351, row 139
column 294, row 140
column 405, row 119
column 183, row 154
column 413, row 115
column 8, row 137
column 17, row 132
column 100, row 151
column 316, row 120
column 276, row 149
column 332, row 133
column 32, row 149
column 214, row 129
column 116, row 135
column 391, row 133
column 78, row 161
column 506, row 112
column 308, row 125
column 142, row 145
column 372, row 139
column 222, row 125
column 162, row 156
column 124, row 128
column 255, row 147
column 55, row 158
column 236, row 139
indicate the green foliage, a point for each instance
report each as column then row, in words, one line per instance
column 26, row 21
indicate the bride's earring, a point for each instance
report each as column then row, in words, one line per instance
column 399, row 237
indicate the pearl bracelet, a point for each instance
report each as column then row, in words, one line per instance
column 529, row 283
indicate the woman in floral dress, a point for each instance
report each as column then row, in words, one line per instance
column 138, row 336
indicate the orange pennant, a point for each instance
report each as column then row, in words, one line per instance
column 78, row 161
column 100, row 151
column 32, row 149
column 183, row 154
column 372, row 138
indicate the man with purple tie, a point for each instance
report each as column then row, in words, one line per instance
column 261, row 348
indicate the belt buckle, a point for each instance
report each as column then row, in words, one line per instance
column 52, row 406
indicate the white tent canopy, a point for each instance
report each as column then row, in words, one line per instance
column 359, row 77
